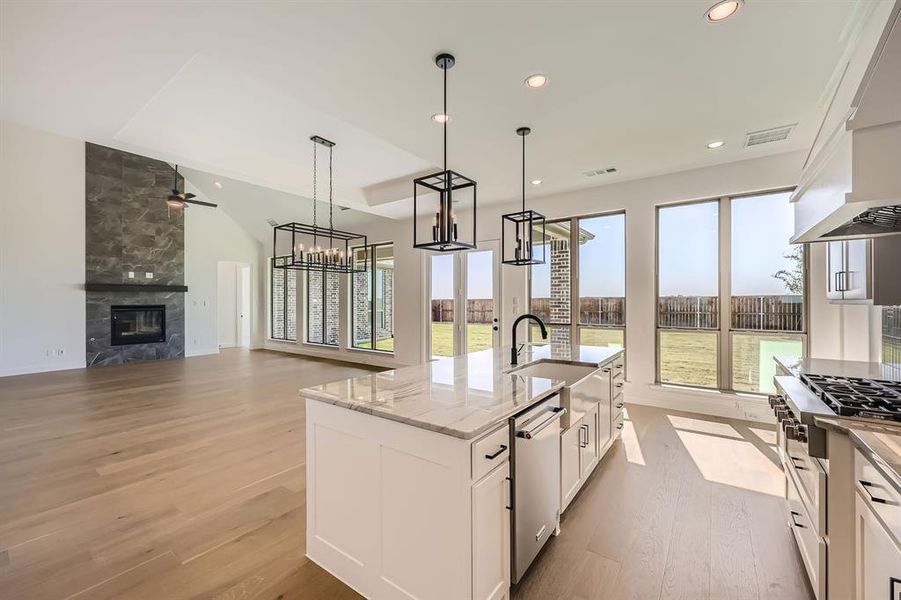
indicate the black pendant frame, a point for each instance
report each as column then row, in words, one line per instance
column 444, row 235
column 523, row 224
column 328, row 249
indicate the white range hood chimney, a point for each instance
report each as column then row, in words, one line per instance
column 851, row 187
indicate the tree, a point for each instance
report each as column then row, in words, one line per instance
column 793, row 278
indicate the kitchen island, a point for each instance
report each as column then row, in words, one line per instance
column 408, row 472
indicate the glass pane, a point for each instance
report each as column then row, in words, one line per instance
column 479, row 300
column 555, row 333
column 332, row 306
column 602, row 292
column 753, row 367
column 315, row 308
column 278, row 303
column 442, row 309
column 767, row 271
column 612, row 338
column 688, row 357
column 688, row 264
column 550, row 294
column 891, row 338
column 384, row 297
column 291, row 306
column 361, row 300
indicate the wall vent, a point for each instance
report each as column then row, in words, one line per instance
column 272, row 222
column 596, row 172
column 766, row 136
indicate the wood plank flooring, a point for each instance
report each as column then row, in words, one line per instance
column 185, row 479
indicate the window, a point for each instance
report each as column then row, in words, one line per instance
column 767, row 290
column 442, row 305
column 323, row 300
column 589, row 253
column 704, row 342
column 602, row 291
column 479, row 300
column 282, row 304
column 688, row 294
column 372, row 298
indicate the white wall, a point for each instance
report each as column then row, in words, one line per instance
column 211, row 236
column 42, row 298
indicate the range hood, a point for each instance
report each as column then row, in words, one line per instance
column 851, row 187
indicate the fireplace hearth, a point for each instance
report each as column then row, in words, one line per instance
column 137, row 324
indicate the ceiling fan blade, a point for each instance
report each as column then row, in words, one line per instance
column 200, row 202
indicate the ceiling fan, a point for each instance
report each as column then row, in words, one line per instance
column 179, row 199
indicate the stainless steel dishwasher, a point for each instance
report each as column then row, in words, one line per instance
column 535, row 440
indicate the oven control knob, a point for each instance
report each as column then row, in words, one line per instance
column 781, row 414
column 774, row 400
column 791, row 431
column 801, row 434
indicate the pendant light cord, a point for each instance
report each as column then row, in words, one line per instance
column 331, row 224
column 523, row 173
column 446, row 117
column 314, row 184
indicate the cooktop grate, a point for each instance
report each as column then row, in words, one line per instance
column 857, row 397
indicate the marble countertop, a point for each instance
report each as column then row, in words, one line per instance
column 463, row 396
column 839, row 368
column 881, row 444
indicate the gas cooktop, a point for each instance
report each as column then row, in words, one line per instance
column 857, row 397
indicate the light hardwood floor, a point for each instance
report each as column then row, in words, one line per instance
column 185, row 479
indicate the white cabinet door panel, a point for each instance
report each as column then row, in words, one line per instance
column 878, row 559
column 491, row 535
column 570, row 464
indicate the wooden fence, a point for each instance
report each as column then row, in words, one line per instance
column 477, row 311
column 762, row 313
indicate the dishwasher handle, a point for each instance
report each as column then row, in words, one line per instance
column 557, row 411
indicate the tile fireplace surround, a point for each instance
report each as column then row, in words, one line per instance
column 128, row 229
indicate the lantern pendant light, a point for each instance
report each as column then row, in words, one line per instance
column 436, row 223
column 303, row 247
column 522, row 228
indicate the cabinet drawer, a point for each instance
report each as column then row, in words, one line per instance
column 619, row 368
column 618, row 425
column 878, row 494
column 811, row 546
column 811, row 480
column 490, row 451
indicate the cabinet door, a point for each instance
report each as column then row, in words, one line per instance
column 835, row 265
column 570, row 463
column 877, row 558
column 856, row 280
column 589, row 448
column 605, row 423
column 491, row 535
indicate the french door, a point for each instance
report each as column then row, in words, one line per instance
column 464, row 301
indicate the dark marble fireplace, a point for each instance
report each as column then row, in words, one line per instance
column 134, row 258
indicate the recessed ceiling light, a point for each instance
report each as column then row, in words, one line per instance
column 723, row 10
column 536, row 182
column 537, row 80
column 716, row 144
column 441, row 118
column 217, row 184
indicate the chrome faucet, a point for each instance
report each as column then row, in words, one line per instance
column 514, row 351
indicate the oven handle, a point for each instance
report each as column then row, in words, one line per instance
column 528, row 434
column 866, row 485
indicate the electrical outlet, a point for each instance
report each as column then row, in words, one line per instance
column 49, row 352
column 61, row 352
column 148, row 275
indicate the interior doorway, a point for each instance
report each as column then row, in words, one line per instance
column 234, row 292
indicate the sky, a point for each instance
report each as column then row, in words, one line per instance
column 688, row 256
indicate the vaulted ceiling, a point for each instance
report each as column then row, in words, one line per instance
column 236, row 89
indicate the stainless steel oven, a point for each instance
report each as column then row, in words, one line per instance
column 535, row 462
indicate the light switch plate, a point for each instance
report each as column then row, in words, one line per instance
column 148, row 275
column 131, row 274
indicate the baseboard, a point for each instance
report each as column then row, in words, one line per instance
column 29, row 369
column 201, row 352
column 712, row 403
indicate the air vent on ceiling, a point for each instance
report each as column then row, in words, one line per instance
column 272, row 222
column 766, row 136
column 596, row 172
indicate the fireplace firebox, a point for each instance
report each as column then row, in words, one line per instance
column 138, row 324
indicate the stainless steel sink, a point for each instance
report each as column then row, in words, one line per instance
column 583, row 384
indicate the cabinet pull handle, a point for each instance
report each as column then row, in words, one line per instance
column 866, row 485
column 619, row 405
column 620, row 426
column 619, row 366
column 794, row 522
column 509, row 493
column 620, row 384
column 795, row 465
column 496, row 454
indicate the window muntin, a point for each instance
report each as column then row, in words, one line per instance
column 373, row 289
column 282, row 304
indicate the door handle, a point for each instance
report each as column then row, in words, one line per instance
column 866, row 485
